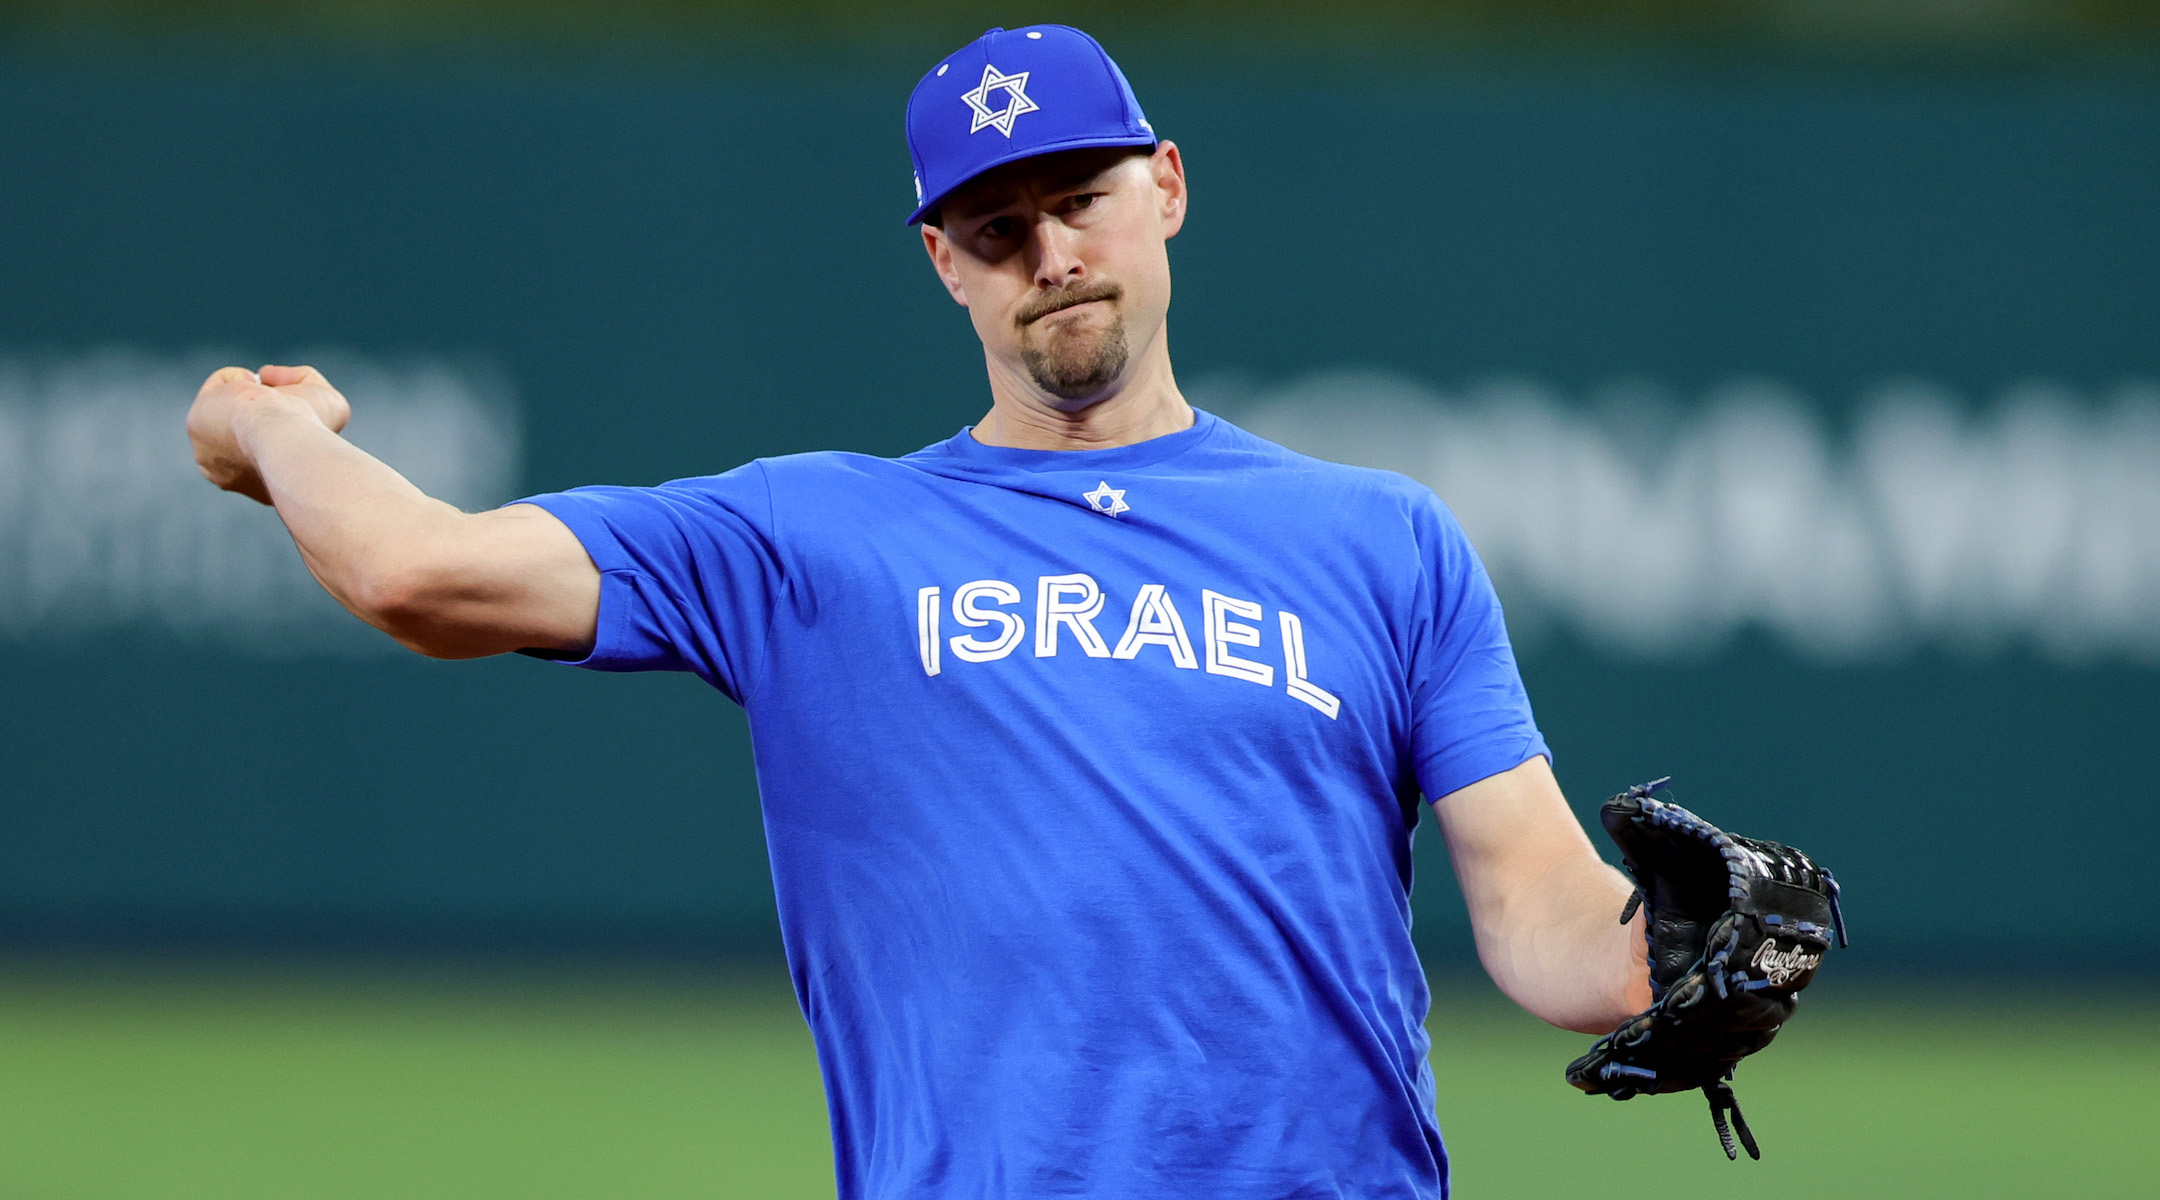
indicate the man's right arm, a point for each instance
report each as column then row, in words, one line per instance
column 445, row 583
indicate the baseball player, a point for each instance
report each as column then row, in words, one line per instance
column 1090, row 739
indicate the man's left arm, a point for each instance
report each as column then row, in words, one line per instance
column 1544, row 906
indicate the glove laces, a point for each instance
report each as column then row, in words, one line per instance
column 1722, row 1101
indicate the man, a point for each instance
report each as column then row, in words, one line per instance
column 1089, row 740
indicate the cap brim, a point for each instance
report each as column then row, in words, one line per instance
column 1038, row 151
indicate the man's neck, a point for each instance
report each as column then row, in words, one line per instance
column 1147, row 404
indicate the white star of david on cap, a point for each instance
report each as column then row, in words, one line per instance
column 1107, row 500
column 1016, row 101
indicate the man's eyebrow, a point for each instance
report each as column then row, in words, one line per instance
column 983, row 202
column 1071, row 177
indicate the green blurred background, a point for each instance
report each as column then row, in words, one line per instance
column 286, row 914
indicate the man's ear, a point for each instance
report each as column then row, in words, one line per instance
column 941, row 258
column 1169, row 169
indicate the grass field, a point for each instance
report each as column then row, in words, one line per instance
column 141, row 1084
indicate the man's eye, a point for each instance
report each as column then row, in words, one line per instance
column 1084, row 200
column 997, row 227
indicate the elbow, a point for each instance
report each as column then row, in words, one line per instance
column 410, row 599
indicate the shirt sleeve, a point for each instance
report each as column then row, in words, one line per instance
column 1470, row 717
column 689, row 574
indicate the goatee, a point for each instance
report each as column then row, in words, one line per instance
column 1079, row 362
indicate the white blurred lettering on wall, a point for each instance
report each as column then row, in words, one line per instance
column 105, row 524
column 1653, row 528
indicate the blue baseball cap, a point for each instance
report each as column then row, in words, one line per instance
column 1010, row 95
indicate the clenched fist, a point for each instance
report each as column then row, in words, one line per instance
column 233, row 399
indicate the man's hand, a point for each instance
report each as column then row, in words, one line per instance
column 233, row 398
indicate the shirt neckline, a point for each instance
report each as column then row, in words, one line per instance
column 963, row 445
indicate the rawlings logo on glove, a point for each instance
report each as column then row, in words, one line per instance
column 1736, row 927
column 1781, row 967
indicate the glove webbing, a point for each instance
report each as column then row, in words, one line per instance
column 1783, row 866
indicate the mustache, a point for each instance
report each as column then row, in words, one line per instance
column 1055, row 299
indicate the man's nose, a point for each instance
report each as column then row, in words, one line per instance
column 1057, row 261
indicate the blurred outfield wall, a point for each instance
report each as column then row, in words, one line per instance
column 1805, row 411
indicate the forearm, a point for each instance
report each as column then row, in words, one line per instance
column 363, row 529
column 1546, row 909
column 1557, row 947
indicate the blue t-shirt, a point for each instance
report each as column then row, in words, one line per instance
column 1088, row 779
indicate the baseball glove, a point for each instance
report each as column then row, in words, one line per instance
column 1736, row 928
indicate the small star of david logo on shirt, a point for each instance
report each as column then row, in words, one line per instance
column 1016, row 101
column 1107, row 500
